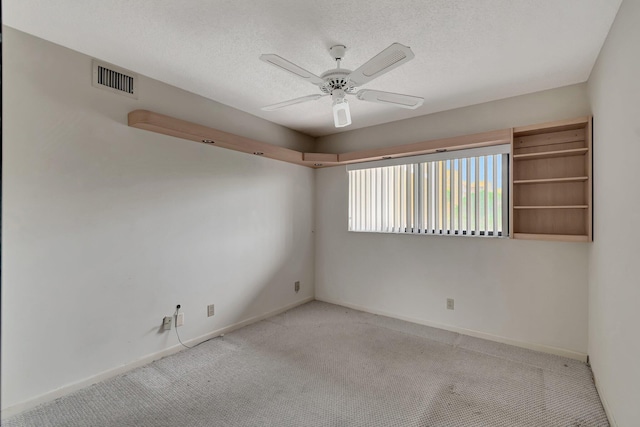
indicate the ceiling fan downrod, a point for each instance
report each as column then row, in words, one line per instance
column 337, row 52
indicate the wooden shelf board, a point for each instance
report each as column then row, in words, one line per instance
column 552, row 237
column 549, row 140
column 557, row 126
column 551, row 154
column 552, row 180
column 553, row 207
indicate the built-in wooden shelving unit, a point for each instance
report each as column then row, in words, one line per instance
column 550, row 177
column 551, row 184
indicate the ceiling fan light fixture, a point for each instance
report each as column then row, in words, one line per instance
column 341, row 112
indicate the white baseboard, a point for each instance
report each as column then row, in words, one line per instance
column 603, row 399
column 477, row 334
column 70, row 388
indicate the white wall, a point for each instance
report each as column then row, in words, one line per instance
column 106, row 227
column 530, row 292
column 614, row 277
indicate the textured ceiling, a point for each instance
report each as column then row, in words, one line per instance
column 467, row 51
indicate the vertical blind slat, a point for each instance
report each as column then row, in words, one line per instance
column 450, row 190
column 383, row 189
column 352, row 199
column 443, row 197
column 495, row 195
column 505, row 194
column 417, row 220
column 396, row 201
column 477, row 196
column 469, row 180
column 368, row 200
column 432, row 212
column 414, row 197
column 362, row 205
column 486, row 196
column 459, row 203
column 424, row 179
column 352, row 193
column 374, row 200
column 390, row 219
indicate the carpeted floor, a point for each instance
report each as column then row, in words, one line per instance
column 324, row 365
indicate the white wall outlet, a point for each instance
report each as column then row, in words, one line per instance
column 210, row 310
column 449, row 303
column 296, row 286
column 166, row 323
column 179, row 319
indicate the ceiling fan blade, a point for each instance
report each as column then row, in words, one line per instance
column 397, row 99
column 390, row 58
column 283, row 64
column 292, row 102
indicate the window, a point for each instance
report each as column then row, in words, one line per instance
column 462, row 192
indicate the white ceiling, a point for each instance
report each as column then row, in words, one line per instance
column 467, row 51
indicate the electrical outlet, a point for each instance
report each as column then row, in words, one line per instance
column 179, row 319
column 449, row 303
column 296, row 286
column 166, row 323
column 210, row 310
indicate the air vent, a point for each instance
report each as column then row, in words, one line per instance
column 115, row 79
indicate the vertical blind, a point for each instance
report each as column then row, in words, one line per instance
column 455, row 193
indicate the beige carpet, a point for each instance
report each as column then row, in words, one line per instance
column 325, row 365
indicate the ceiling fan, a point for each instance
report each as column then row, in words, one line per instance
column 340, row 82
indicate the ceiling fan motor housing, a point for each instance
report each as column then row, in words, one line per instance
column 338, row 78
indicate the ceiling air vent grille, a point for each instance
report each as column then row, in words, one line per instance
column 115, row 79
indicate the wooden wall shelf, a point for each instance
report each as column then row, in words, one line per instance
column 154, row 122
